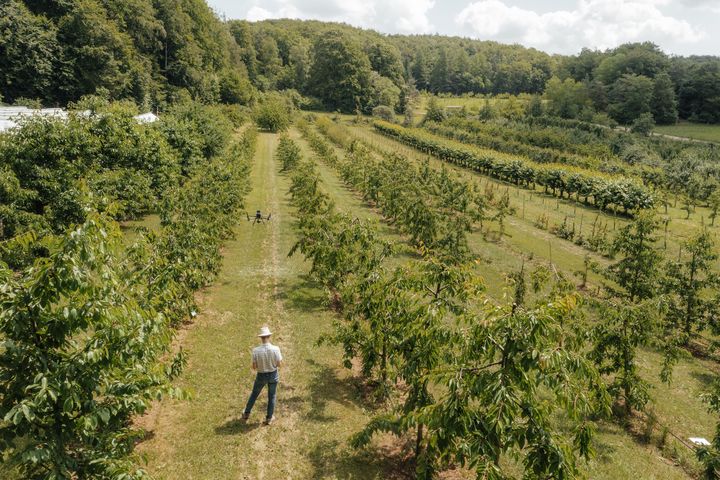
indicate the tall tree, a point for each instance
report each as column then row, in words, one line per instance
column 629, row 97
column 30, row 54
column 566, row 98
column 340, row 73
column 700, row 95
column 664, row 104
column 439, row 78
column 385, row 59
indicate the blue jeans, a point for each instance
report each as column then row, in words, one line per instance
column 270, row 379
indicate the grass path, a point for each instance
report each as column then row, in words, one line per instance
column 319, row 406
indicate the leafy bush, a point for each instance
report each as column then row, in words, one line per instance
column 50, row 159
column 208, row 125
column 86, row 332
column 273, row 114
column 383, row 112
column 235, row 88
column 643, row 124
column 435, row 113
column 130, row 189
column 288, row 153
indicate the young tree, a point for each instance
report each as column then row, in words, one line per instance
column 505, row 375
column 629, row 323
column 432, row 292
column 487, row 112
column 686, row 283
column 710, row 456
column 637, row 273
column 503, row 209
column 535, row 107
column 288, row 153
column 623, row 328
column 435, row 113
column 80, row 356
column 714, row 204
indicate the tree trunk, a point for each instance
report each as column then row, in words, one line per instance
column 418, row 441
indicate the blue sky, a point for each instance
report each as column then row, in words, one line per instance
column 682, row 27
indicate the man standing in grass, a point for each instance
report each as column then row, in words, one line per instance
column 266, row 359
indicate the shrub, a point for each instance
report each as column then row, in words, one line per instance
column 130, row 189
column 272, row 115
column 435, row 112
column 644, row 124
column 288, row 153
column 384, row 112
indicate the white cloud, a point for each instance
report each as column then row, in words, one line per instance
column 257, row 14
column 592, row 23
column 404, row 16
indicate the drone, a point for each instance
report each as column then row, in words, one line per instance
column 258, row 218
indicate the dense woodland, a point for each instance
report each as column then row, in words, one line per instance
column 151, row 52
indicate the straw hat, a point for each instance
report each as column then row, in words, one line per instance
column 265, row 332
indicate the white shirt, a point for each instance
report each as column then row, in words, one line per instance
column 266, row 357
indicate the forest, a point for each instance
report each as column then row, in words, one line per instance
column 151, row 52
column 480, row 260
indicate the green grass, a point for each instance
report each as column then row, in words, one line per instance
column 131, row 228
column 698, row 131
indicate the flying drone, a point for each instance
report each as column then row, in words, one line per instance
column 258, row 218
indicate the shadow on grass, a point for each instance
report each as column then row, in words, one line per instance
column 235, row 426
column 331, row 459
column 305, row 295
column 705, row 378
column 604, row 452
column 325, row 387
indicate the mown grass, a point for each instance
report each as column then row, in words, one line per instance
column 699, row 131
column 319, row 404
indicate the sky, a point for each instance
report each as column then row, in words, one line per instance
column 680, row 27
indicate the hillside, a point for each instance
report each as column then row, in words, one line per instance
column 145, row 51
column 478, row 260
column 150, row 52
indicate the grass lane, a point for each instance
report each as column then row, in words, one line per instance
column 319, row 405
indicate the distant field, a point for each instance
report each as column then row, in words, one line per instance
column 699, row 131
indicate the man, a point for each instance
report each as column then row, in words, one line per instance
column 266, row 359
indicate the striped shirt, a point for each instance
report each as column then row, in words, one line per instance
column 266, row 357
